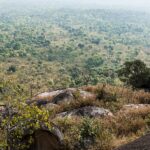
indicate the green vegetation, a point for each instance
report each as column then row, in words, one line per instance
column 103, row 133
column 23, row 120
column 136, row 74
column 46, row 49
column 127, row 124
column 42, row 50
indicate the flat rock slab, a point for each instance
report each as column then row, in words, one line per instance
column 136, row 106
column 48, row 95
column 87, row 95
column 131, row 107
column 88, row 111
column 142, row 143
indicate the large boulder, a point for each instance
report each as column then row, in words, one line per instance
column 142, row 143
column 64, row 97
column 60, row 96
column 87, row 95
column 88, row 111
column 70, row 94
column 43, row 138
column 43, row 98
column 48, row 95
column 51, row 106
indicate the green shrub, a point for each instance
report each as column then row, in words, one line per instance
column 11, row 69
column 94, row 136
column 106, row 96
column 25, row 119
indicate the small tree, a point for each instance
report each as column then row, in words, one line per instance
column 136, row 74
column 11, row 69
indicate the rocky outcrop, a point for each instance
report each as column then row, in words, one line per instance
column 51, row 106
column 64, row 97
column 142, row 143
column 48, row 95
column 69, row 95
column 43, row 98
column 131, row 107
column 86, row 95
column 43, row 138
column 88, row 111
column 135, row 106
column 60, row 97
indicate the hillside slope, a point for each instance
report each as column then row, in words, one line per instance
column 62, row 48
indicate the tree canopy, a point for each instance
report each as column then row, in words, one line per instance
column 136, row 74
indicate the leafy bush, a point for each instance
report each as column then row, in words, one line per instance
column 87, row 134
column 94, row 136
column 23, row 120
column 88, row 129
column 106, row 96
column 11, row 69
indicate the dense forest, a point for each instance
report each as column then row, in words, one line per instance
column 66, row 48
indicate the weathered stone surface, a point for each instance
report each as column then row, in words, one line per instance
column 142, row 143
column 48, row 95
column 51, row 106
column 136, row 106
column 43, row 98
column 44, row 139
column 63, row 97
column 89, row 111
column 130, row 107
column 86, row 143
column 87, row 95
column 59, row 97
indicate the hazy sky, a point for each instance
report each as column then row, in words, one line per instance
column 135, row 4
column 114, row 3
